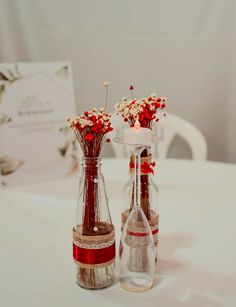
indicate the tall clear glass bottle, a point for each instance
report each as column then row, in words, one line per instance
column 149, row 198
column 93, row 233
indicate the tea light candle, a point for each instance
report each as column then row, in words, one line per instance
column 137, row 135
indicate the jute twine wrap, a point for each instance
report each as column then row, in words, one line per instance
column 93, row 242
column 147, row 159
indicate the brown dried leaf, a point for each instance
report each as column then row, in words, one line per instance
column 9, row 165
column 3, row 77
column 63, row 149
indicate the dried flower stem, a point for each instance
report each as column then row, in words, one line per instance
column 106, row 84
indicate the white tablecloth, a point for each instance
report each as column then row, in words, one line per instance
column 197, row 255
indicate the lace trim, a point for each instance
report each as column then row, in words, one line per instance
column 93, row 245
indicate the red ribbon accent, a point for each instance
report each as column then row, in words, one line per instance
column 145, row 167
column 155, row 231
column 140, row 234
column 94, row 256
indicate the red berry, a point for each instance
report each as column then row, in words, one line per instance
column 131, row 87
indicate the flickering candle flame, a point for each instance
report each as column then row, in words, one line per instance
column 137, row 134
column 137, row 124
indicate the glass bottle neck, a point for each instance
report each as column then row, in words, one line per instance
column 146, row 165
column 91, row 162
column 146, row 152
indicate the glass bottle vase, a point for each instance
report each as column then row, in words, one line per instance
column 149, row 198
column 93, row 233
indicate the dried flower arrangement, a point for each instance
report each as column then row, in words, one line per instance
column 148, row 112
column 93, row 236
column 144, row 110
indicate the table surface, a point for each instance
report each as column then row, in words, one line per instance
column 197, row 252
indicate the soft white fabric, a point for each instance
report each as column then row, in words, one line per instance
column 196, row 248
column 183, row 49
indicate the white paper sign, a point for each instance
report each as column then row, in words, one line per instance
column 35, row 100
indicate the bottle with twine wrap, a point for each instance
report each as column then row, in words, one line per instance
column 93, row 233
column 148, row 112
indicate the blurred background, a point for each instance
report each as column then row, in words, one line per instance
column 184, row 50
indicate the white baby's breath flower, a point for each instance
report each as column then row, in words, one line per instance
column 133, row 112
column 117, row 105
column 126, row 111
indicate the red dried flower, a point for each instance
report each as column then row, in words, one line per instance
column 90, row 129
column 89, row 137
column 144, row 109
column 131, row 87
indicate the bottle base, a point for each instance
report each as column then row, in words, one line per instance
column 136, row 284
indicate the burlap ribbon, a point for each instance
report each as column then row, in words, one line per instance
column 93, row 251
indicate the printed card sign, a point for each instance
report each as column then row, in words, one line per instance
column 35, row 144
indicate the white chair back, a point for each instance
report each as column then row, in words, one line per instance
column 167, row 129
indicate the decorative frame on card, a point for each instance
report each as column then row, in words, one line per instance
column 35, row 99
